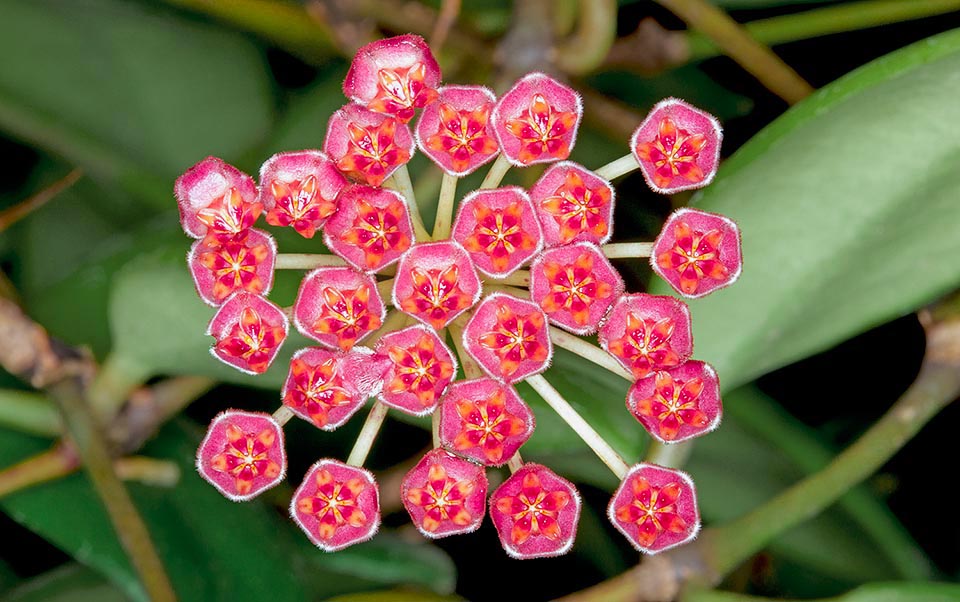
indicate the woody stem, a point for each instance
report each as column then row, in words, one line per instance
column 562, row 407
column 499, row 169
column 400, row 181
column 444, row 220
column 368, row 434
column 625, row 250
column 618, row 167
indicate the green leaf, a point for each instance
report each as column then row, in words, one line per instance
column 129, row 92
column 69, row 583
column 212, row 548
column 874, row 592
column 845, row 226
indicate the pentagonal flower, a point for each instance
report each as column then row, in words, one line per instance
column 242, row 454
column 508, row 337
column 337, row 505
column 367, row 146
column 499, row 229
column 419, row 369
column 697, row 252
column 484, row 420
column 455, row 132
column 242, row 263
column 216, row 200
column 393, row 76
column 647, row 333
column 536, row 120
column 677, row 404
column 319, row 388
column 371, row 228
column 338, row 307
column 677, row 147
column 655, row 508
column 573, row 204
column 249, row 331
column 536, row 513
column 445, row 494
column 575, row 285
column 435, row 283
column 299, row 189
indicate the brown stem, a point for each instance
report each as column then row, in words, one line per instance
column 739, row 45
column 13, row 214
column 449, row 10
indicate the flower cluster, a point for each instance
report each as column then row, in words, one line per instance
column 504, row 276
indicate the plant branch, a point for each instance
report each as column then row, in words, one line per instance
column 449, row 10
column 11, row 215
column 306, row 261
column 29, row 412
column 737, row 43
column 585, row 50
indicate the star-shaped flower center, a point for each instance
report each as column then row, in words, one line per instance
column 299, row 204
column 372, row 152
column 316, row 390
column 401, row 90
column 578, row 208
column 514, row 339
column 499, row 234
column 245, row 457
column 646, row 345
column 418, row 369
column 377, row 231
column 674, row 403
column 335, row 504
column 463, row 134
column 234, row 265
column 443, row 498
column 653, row 510
column 437, row 296
column 674, row 152
column 574, row 288
column 228, row 216
column 695, row 256
column 541, row 129
column 346, row 315
column 486, row 424
column 253, row 340
column 534, row 511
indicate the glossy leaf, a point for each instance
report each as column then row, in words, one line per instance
column 127, row 92
column 875, row 592
column 68, row 583
column 212, row 548
column 845, row 226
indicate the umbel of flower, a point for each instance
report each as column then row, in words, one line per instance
column 508, row 277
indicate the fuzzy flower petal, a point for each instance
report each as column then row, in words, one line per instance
column 697, row 252
column 445, row 495
column 337, row 505
column 536, row 121
column 655, row 508
column 249, row 331
column 242, row 454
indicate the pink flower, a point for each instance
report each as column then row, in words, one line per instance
column 366, row 146
column 499, row 229
column 677, row 147
column 242, row 454
column 337, row 505
column 338, row 307
column 299, row 190
column 536, row 121
column 646, row 333
column 435, row 283
column 320, row 387
column 420, row 368
column 249, row 331
column 216, row 200
column 697, row 252
column 573, row 204
column 655, row 508
column 445, row 495
column 455, row 132
column 508, row 337
column 535, row 513
column 484, row 420
column 678, row 404
column 242, row 263
column 371, row 229
column 393, row 76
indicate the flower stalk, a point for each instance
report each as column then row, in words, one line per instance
column 444, row 220
column 306, row 261
column 627, row 250
column 400, row 181
column 618, row 167
column 497, row 171
column 562, row 407
column 368, row 434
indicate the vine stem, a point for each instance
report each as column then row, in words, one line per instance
column 499, row 169
column 29, row 412
column 739, row 45
column 435, row 427
column 306, row 261
column 400, row 181
column 596, row 32
column 627, row 250
column 562, row 407
column 444, row 220
column 471, row 369
column 589, row 352
column 618, row 167
column 11, row 215
column 368, row 434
